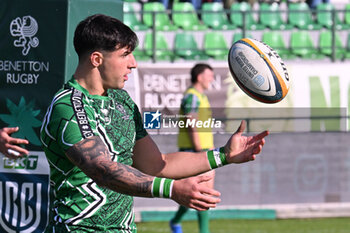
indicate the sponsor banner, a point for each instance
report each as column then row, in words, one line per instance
column 32, row 55
column 163, row 87
column 32, row 65
column 34, row 163
column 320, row 84
column 24, row 193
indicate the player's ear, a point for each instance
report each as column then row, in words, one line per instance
column 199, row 77
column 96, row 59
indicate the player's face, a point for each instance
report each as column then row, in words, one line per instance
column 116, row 66
column 206, row 78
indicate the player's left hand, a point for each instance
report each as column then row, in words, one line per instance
column 240, row 148
column 191, row 192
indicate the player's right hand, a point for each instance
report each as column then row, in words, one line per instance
column 9, row 145
column 190, row 192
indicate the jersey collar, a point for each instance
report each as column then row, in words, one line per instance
column 73, row 83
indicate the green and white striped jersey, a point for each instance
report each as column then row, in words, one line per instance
column 78, row 203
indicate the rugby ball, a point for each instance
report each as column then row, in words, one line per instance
column 258, row 70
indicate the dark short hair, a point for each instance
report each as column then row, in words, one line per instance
column 102, row 32
column 197, row 70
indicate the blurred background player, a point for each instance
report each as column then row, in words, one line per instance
column 195, row 106
column 10, row 146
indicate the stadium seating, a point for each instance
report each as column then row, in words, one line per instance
column 162, row 20
column 163, row 53
column 347, row 14
column 325, row 18
column 140, row 55
column 301, row 44
column 325, row 44
column 214, row 16
column 347, row 49
column 186, row 47
column 276, row 41
column 239, row 35
column 185, row 17
column 240, row 10
column 271, row 17
column 131, row 19
column 215, row 45
column 185, row 20
column 300, row 16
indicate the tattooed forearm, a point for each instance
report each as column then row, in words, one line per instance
column 93, row 158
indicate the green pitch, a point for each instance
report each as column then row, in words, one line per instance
column 324, row 225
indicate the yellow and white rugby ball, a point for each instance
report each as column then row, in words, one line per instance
column 258, row 70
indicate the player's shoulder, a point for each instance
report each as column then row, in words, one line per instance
column 193, row 91
column 61, row 104
column 192, row 94
column 62, row 96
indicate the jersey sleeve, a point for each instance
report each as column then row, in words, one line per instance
column 190, row 104
column 66, row 129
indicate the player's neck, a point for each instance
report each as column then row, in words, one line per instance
column 198, row 87
column 89, row 80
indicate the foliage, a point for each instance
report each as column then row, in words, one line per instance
column 24, row 116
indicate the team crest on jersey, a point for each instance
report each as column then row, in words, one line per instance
column 151, row 120
column 23, row 202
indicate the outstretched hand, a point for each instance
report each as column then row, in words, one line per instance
column 9, row 145
column 191, row 192
column 240, row 148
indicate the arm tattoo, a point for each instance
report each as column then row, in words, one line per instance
column 93, row 158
